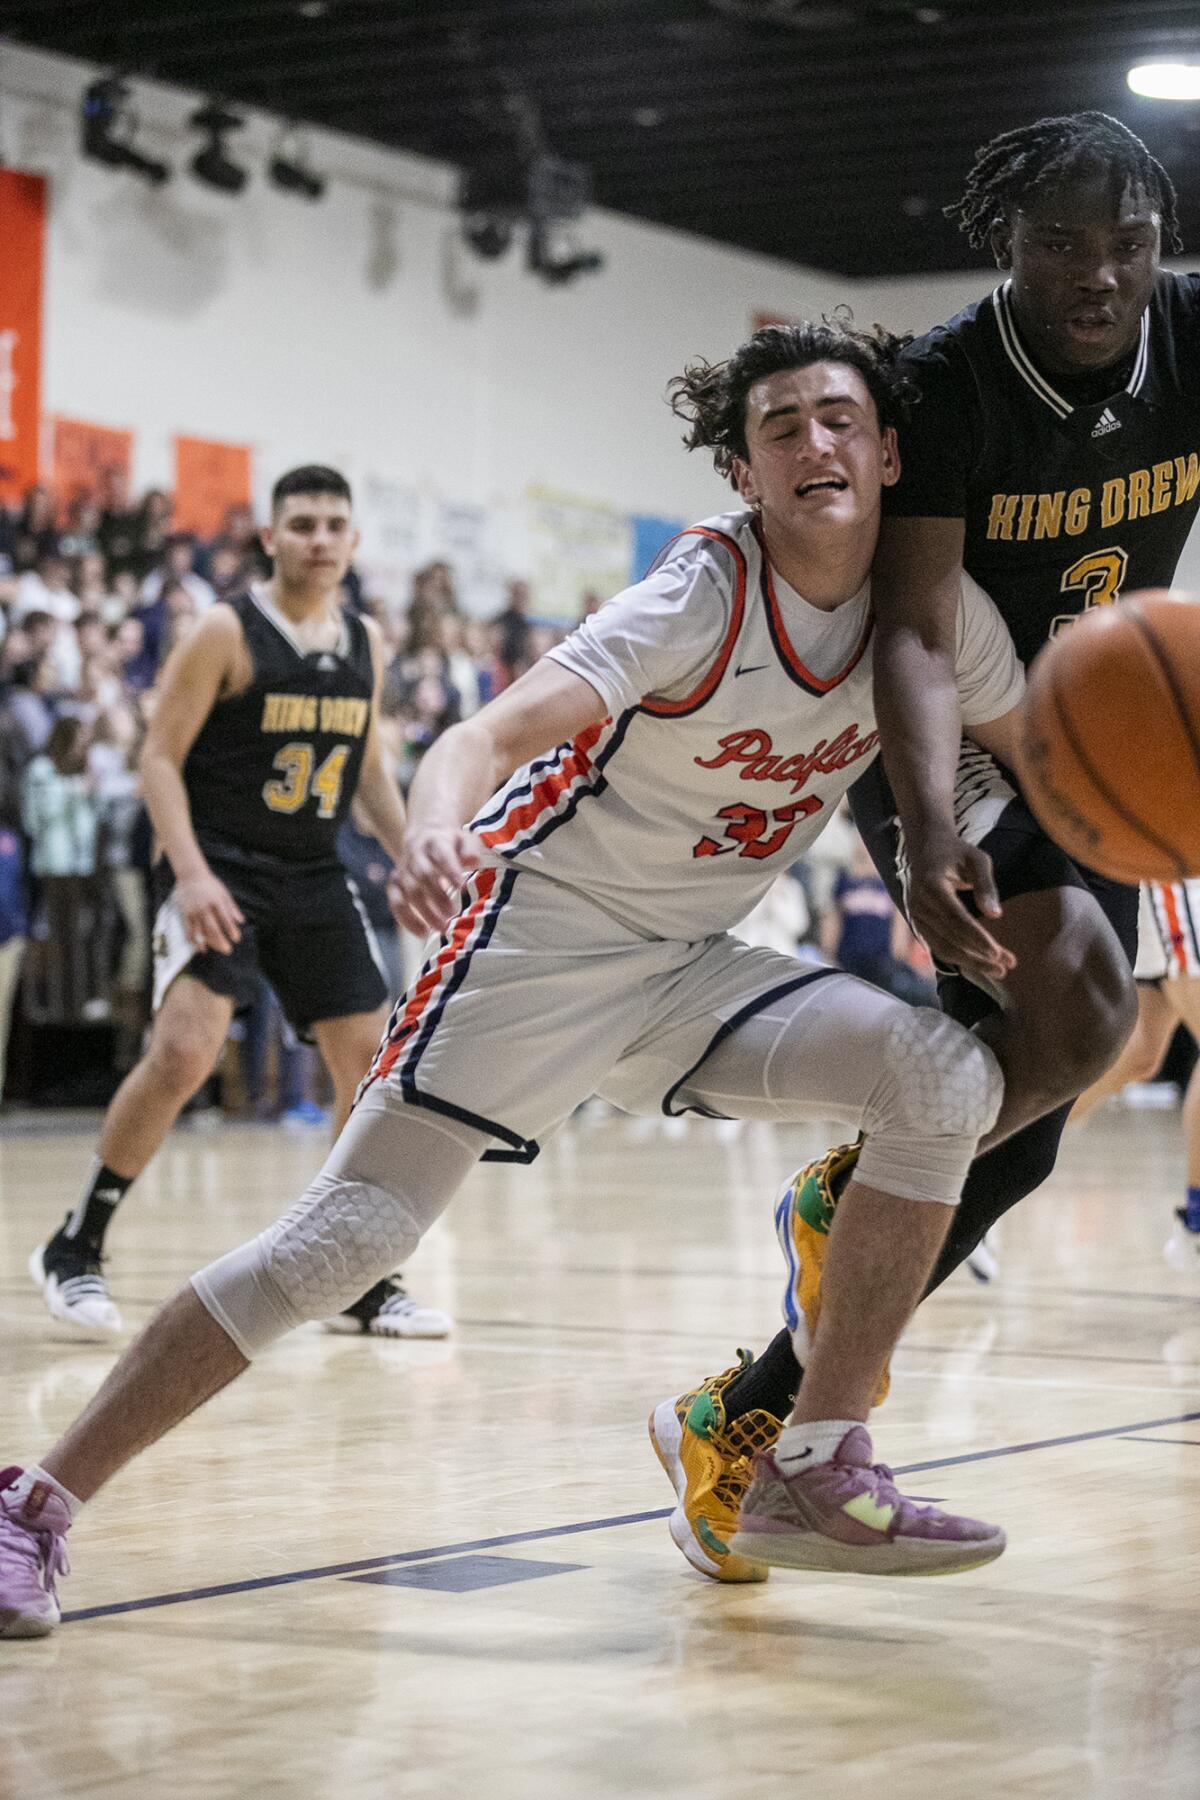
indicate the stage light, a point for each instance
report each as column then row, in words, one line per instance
column 289, row 167
column 1166, row 81
column 107, row 128
column 211, row 164
column 488, row 235
column 541, row 192
column 554, row 257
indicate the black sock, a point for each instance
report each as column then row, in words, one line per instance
column 769, row 1384
column 101, row 1196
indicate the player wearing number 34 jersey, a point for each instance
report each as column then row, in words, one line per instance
column 263, row 733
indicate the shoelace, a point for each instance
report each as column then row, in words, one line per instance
column 79, row 1287
column 397, row 1300
column 44, row 1550
column 890, row 1494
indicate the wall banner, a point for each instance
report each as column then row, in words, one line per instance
column 210, row 477
column 22, row 233
column 82, row 453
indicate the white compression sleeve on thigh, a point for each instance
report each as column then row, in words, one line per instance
column 388, row 1177
column 921, row 1087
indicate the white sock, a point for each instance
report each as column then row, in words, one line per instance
column 29, row 1479
column 798, row 1446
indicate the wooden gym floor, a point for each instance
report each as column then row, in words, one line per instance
column 386, row 1569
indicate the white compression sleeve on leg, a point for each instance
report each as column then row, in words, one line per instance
column 921, row 1087
column 389, row 1176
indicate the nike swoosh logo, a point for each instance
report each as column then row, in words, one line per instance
column 793, row 1457
column 750, row 669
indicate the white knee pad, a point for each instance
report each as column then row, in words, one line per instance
column 340, row 1238
column 943, row 1077
column 940, row 1090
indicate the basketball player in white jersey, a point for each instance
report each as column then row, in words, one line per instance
column 583, row 846
column 1167, row 973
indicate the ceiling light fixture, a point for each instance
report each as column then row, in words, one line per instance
column 290, row 167
column 1166, row 80
column 107, row 127
column 211, row 163
column 542, row 193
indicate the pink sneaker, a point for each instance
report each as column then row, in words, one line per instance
column 847, row 1514
column 33, row 1553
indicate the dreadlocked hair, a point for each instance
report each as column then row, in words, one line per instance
column 711, row 397
column 1015, row 165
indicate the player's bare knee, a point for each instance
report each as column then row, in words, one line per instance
column 180, row 1062
column 1083, row 1039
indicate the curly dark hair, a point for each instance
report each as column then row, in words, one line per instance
column 1015, row 165
column 711, row 397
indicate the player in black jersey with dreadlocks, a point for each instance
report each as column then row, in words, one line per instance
column 264, row 731
column 1054, row 453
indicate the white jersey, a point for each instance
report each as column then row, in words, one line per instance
column 739, row 714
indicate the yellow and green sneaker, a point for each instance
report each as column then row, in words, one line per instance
column 708, row 1462
column 804, row 1212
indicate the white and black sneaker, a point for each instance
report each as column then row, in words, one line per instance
column 70, row 1275
column 386, row 1311
column 983, row 1263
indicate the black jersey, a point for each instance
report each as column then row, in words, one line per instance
column 1068, row 503
column 273, row 769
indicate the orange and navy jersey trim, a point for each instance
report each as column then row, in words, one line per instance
column 548, row 792
column 1177, row 926
column 798, row 671
column 710, row 681
column 551, row 789
column 419, row 1012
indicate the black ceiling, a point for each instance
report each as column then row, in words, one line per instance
column 824, row 133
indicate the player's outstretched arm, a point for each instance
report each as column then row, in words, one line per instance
column 547, row 706
column 916, row 585
column 196, row 673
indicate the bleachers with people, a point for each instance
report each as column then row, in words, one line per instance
column 94, row 593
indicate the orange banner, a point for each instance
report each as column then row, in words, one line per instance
column 82, row 455
column 22, row 229
column 209, row 478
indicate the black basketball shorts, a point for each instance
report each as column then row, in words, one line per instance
column 304, row 929
column 991, row 814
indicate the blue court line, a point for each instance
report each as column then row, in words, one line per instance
column 1077, row 1437
column 554, row 1531
column 355, row 1568
column 1176, row 1441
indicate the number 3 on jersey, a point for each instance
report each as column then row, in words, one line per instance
column 295, row 765
column 1098, row 577
column 746, row 827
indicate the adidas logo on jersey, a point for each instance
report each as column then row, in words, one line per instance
column 1105, row 423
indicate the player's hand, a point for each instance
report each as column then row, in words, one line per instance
column 424, row 885
column 942, row 868
column 212, row 917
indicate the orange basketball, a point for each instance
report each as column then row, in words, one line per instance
column 1110, row 738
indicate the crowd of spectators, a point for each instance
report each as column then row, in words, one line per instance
column 93, row 596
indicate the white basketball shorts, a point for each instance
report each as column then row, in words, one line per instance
column 536, row 999
column 1168, row 930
